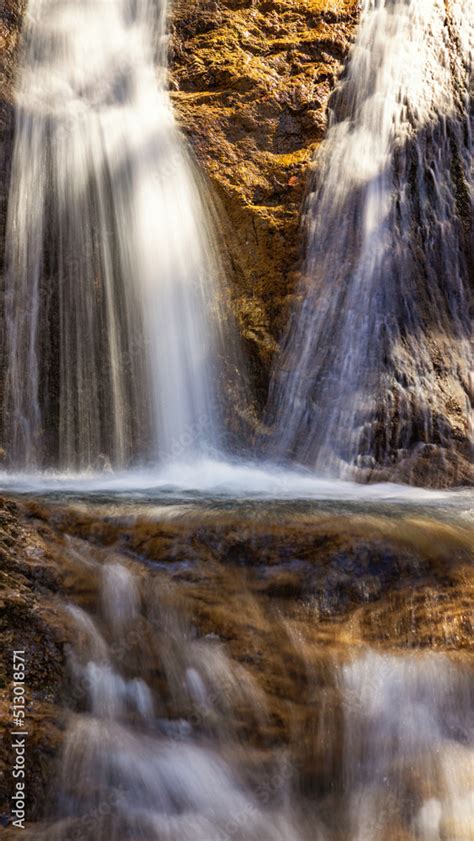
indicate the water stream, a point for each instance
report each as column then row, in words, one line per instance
column 111, row 297
column 378, row 354
column 204, row 704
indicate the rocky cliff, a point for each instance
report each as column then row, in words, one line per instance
column 251, row 83
column 251, row 86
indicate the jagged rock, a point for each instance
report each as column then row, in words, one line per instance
column 251, row 83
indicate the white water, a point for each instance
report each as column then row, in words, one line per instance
column 408, row 751
column 110, row 298
column 235, row 480
column 379, row 352
column 131, row 766
column 152, row 749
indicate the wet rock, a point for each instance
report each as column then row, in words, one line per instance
column 251, row 88
column 256, row 615
column 30, row 622
column 398, row 578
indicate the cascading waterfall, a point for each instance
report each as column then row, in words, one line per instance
column 157, row 742
column 131, row 770
column 377, row 355
column 110, row 298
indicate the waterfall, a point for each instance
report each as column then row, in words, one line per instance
column 132, row 765
column 169, row 735
column 375, row 362
column 109, row 293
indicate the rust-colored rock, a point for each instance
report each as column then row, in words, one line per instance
column 250, row 84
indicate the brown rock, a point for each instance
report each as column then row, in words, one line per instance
column 251, row 83
column 31, row 622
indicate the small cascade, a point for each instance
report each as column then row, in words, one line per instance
column 376, row 359
column 157, row 743
column 110, row 299
column 151, row 749
column 204, row 700
column 408, row 748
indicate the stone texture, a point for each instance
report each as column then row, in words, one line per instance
column 251, row 83
column 31, row 621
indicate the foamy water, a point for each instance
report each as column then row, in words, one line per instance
column 234, row 480
column 155, row 759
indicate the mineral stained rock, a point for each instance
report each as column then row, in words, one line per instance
column 251, row 83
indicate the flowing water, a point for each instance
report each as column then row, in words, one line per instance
column 377, row 354
column 206, row 702
column 254, row 654
column 110, row 297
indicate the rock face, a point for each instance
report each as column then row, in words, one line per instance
column 11, row 16
column 251, row 83
column 31, row 622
